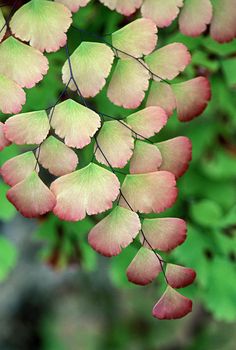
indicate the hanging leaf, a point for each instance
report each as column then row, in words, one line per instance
column 127, row 7
column 18, row 168
column 146, row 158
column 74, row 5
column 114, row 144
column 172, row 305
column 3, row 141
column 42, row 23
column 75, row 123
column 27, row 128
column 149, row 193
column 137, row 38
column 179, row 276
column 223, row 25
column 115, row 232
column 161, row 94
column 192, row 97
column 128, row 84
column 168, row 61
column 22, row 63
column 145, row 267
column 163, row 234
column 31, row 197
column 91, row 64
column 161, row 12
column 89, row 190
column 12, row 96
column 176, row 154
column 147, row 122
column 55, row 156
column 195, row 16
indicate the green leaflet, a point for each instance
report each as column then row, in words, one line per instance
column 8, row 257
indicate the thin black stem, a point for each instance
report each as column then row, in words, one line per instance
column 9, row 16
column 128, row 127
column 60, row 96
column 116, row 50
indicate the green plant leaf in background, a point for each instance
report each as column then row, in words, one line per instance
column 229, row 70
column 8, row 257
column 206, row 213
column 7, row 211
column 220, row 294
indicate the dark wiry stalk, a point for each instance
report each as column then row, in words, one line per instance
column 116, row 50
column 9, row 16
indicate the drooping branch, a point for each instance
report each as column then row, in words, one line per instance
column 109, row 164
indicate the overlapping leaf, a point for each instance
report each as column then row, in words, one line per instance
column 18, row 168
column 55, row 156
column 22, row 63
column 176, row 154
column 129, row 82
column 89, row 190
column 163, row 233
column 162, row 12
column 31, row 197
column 91, row 64
column 126, row 7
column 42, row 23
column 195, row 16
column 27, row 128
column 172, row 305
column 149, row 193
column 161, row 94
column 3, row 141
column 168, row 61
column 145, row 267
column 138, row 38
column 74, row 5
column 179, row 276
column 75, row 123
column 114, row 144
column 192, row 97
column 12, row 96
column 146, row 158
column 115, row 231
column 223, row 26
column 147, row 122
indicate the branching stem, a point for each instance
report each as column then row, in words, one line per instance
column 116, row 50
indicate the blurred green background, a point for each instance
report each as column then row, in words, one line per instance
column 58, row 294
